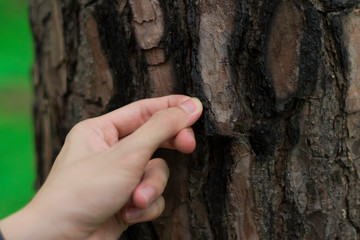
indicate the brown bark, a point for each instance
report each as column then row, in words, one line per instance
column 278, row 153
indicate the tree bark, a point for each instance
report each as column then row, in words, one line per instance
column 278, row 146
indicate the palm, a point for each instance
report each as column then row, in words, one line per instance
column 111, row 229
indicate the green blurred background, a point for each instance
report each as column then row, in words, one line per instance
column 16, row 131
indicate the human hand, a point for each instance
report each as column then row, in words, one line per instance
column 102, row 179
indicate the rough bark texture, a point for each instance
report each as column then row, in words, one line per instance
column 278, row 153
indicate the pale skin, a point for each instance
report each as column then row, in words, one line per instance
column 104, row 179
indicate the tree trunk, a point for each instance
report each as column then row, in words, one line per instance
column 278, row 146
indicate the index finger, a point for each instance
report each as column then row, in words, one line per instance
column 130, row 117
column 161, row 127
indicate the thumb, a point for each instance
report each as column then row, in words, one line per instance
column 162, row 126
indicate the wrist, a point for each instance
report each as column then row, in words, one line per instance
column 26, row 224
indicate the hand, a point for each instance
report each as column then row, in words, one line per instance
column 103, row 178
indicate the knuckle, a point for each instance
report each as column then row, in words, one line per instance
column 158, row 174
column 159, row 207
column 79, row 129
column 81, row 126
column 161, row 165
column 160, row 185
column 167, row 116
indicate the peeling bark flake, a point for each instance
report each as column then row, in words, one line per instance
column 56, row 68
column 352, row 41
column 162, row 77
column 283, row 48
column 216, row 25
column 148, row 22
column 155, row 56
column 240, row 197
column 57, row 36
column 103, row 84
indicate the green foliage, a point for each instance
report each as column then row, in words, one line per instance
column 15, row 41
column 16, row 135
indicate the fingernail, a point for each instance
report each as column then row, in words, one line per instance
column 148, row 193
column 191, row 105
column 133, row 213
